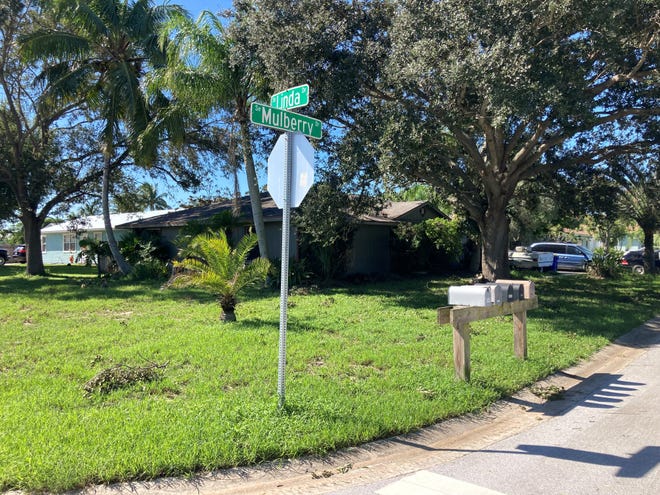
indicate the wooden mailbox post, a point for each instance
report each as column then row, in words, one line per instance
column 460, row 318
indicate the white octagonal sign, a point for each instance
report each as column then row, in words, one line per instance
column 302, row 169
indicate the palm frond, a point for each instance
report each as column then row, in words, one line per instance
column 211, row 263
column 49, row 44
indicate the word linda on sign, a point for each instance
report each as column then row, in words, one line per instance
column 291, row 98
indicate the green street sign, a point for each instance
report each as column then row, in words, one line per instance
column 291, row 98
column 284, row 120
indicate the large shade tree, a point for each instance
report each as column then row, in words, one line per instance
column 100, row 50
column 473, row 97
column 46, row 162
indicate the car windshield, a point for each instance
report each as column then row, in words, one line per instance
column 586, row 251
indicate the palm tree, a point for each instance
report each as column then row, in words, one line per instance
column 211, row 263
column 202, row 73
column 105, row 47
column 151, row 198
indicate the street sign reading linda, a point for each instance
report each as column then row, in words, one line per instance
column 291, row 98
column 284, row 120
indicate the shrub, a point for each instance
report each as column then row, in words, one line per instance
column 606, row 263
column 150, row 270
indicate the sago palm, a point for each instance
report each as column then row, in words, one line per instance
column 211, row 263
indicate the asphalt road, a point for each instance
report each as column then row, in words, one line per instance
column 602, row 438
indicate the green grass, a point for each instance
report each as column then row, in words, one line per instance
column 363, row 363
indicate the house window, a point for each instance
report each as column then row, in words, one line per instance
column 70, row 243
column 95, row 236
column 43, row 243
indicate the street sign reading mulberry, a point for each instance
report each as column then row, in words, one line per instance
column 284, row 120
column 290, row 176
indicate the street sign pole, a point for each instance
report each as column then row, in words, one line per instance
column 284, row 275
column 277, row 116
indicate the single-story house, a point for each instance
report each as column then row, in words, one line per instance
column 60, row 242
column 169, row 225
column 370, row 251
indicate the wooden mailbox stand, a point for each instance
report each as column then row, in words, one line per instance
column 460, row 318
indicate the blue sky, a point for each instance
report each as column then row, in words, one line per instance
column 196, row 6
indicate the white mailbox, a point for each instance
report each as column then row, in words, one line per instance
column 527, row 286
column 470, row 295
column 508, row 294
column 496, row 293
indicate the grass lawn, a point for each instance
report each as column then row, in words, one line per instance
column 364, row 362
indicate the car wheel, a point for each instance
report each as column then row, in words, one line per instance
column 2, row 260
column 638, row 269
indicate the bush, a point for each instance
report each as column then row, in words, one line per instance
column 299, row 273
column 150, row 270
column 606, row 264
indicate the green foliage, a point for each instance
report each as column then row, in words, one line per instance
column 92, row 252
column 143, row 197
column 445, row 234
column 434, row 244
column 137, row 248
column 300, row 273
column 150, row 269
column 210, row 262
column 122, row 376
column 363, row 363
column 469, row 97
column 224, row 221
column 606, row 263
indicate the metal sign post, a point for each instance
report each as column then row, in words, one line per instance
column 284, row 275
column 296, row 149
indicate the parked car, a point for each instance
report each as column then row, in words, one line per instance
column 569, row 256
column 4, row 256
column 635, row 260
column 19, row 255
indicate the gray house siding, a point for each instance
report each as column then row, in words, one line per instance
column 370, row 250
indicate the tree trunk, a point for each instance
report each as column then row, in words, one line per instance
column 253, row 188
column 649, row 253
column 494, row 230
column 233, row 164
column 122, row 264
column 227, row 316
column 34, row 264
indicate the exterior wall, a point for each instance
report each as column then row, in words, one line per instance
column 370, row 251
column 54, row 244
column 274, row 241
column 273, row 238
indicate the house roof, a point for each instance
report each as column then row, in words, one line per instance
column 182, row 217
column 391, row 214
column 95, row 222
column 395, row 211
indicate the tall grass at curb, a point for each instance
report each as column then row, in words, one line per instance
column 364, row 362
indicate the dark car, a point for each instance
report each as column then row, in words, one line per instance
column 4, row 256
column 635, row 260
column 569, row 256
column 19, row 255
